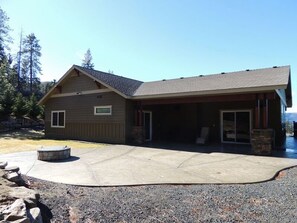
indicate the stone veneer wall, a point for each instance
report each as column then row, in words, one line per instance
column 262, row 141
column 137, row 135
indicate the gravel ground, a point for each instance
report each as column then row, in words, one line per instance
column 273, row 201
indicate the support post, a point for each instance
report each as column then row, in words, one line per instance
column 265, row 114
column 257, row 114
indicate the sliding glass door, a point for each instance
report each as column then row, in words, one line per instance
column 236, row 126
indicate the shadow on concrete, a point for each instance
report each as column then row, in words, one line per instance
column 290, row 150
column 70, row 159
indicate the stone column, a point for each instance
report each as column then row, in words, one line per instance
column 137, row 135
column 262, row 141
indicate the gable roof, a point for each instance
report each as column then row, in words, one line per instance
column 265, row 79
column 124, row 85
column 240, row 81
column 121, row 85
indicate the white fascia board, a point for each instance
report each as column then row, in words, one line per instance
column 282, row 94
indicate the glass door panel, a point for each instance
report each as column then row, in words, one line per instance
column 147, row 125
column 236, row 126
column 229, row 133
column 243, row 127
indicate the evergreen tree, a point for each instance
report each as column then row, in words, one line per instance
column 19, row 107
column 12, row 76
column 34, row 110
column 31, row 61
column 4, row 34
column 46, row 86
column 6, row 93
column 87, row 61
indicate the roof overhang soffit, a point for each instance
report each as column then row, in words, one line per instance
column 288, row 92
column 282, row 95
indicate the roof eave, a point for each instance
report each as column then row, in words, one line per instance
column 212, row 92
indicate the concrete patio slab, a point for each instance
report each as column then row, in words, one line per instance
column 120, row 165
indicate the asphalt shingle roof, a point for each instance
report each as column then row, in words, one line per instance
column 266, row 77
column 124, row 85
column 202, row 84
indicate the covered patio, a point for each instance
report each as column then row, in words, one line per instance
column 230, row 119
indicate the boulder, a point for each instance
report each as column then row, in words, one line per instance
column 12, row 169
column 16, row 212
column 34, row 215
column 29, row 196
column 12, row 176
column 3, row 165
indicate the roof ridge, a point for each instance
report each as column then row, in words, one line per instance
column 115, row 75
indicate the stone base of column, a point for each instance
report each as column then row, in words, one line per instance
column 262, row 141
column 137, row 135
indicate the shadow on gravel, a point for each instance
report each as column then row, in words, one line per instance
column 46, row 213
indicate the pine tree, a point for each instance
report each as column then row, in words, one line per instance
column 7, row 92
column 19, row 107
column 5, row 38
column 31, row 60
column 87, row 61
column 34, row 110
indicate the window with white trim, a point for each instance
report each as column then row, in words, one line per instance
column 58, row 119
column 103, row 110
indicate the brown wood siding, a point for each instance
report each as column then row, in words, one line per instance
column 80, row 121
column 79, row 83
column 130, row 112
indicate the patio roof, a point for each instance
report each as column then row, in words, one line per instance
column 265, row 79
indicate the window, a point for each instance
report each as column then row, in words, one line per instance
column 102, row 110
column 58, row 119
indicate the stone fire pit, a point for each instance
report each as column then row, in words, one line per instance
column 50, row 153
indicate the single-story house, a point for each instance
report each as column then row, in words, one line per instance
column 92, row 105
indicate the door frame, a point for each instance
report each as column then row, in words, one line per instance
column 151, row 124
column 221, row 126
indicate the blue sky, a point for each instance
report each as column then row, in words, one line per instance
column 153, row 39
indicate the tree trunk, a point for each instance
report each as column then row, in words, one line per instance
column 31, row 70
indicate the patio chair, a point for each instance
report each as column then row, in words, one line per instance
column 203, row 138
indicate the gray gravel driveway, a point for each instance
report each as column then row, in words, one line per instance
column 272, row 201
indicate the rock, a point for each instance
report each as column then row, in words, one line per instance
column 34, row 215
column 30, row 196
column 12, row 169
column 13, row 176
column 3, row 165
column 16, row 212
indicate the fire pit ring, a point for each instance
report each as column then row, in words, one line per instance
column 50, row 153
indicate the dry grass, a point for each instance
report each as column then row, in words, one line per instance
column 30, row 140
